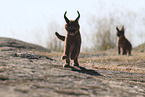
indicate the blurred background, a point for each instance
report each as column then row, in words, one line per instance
column 36, row 21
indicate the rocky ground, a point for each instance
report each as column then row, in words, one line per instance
column 28, row 70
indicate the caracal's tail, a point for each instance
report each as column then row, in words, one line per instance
column 60, row 36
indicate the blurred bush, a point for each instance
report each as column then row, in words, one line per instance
column 53, row 43
column 104, row 37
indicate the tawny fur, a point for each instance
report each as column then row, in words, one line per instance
column 123, row 44
column 72, row 41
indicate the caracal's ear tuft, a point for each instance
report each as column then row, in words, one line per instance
column 122, row 28
column 66, row 19
column 117, row 29
column 77, row 19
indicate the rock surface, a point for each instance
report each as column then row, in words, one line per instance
column 25, row 74
column 13, row 43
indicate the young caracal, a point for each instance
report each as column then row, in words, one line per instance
column 72, row 41
column 123, row 44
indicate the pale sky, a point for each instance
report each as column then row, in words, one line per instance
column 22, row 19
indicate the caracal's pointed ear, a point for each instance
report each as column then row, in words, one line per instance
column 117, row 29
column 77, row 19
column 66, row 19
column 122, row 28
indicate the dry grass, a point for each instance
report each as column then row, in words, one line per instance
column 134, row 63
column 108, row 60
column 54, row 55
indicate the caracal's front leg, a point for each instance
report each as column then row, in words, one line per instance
column 66, row 54
column 119, row 50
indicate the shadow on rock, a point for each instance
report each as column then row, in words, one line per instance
column 81, row 69
column 31, row 56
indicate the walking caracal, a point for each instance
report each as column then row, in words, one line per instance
column 72, row 41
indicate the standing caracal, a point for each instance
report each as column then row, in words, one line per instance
column 123, row 44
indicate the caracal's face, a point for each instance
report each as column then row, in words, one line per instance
column 120, row 33
column 72, row 27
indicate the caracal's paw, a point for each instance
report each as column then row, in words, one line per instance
column 64, row 57
column 66, row 65
column 76, row 64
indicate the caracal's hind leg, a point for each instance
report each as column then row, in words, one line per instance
column 124, row 52
column 129, row 53
column 75, row 54
column 76, row 63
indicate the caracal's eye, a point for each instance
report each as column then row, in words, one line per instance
column 69, row 28
column 75, row 28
